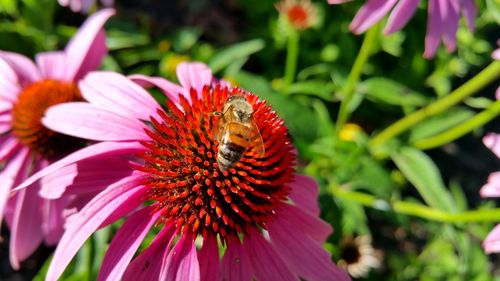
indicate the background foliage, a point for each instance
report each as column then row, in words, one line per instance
column 418, row 200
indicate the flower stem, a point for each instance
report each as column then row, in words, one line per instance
column 479, row 81
column 460, row 130
column 292, row 55
column 356, row 70
column 416, row 209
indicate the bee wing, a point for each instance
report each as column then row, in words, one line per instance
column 218, row 129
column 256, row 140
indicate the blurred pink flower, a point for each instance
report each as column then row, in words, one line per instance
column 492, row 189
column 496, row 53
column 26, row 146
column 442, row 22
column 265, row 215
column 83, row 5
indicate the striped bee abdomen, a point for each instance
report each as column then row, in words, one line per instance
column 230, row 152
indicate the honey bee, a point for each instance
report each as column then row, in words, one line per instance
column 236, row 132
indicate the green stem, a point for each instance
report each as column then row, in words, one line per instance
column 460, row 130
column 292, row 55
column 356, row 70
column 416, row 209
column 479, row 81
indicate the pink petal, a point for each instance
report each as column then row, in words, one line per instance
column 16, row 169
column 88, row 220
column 402, row 13
column 116, row 93
column 302, row 253
column 496, row 56
column 25, row 69
column 87, row 48
column 194, row 75
column 266, row 262
column 304, row 193
column 52, row 65
column 433, row 34
column 5, row 123
column 147, row 265
column 236, row 263
column 5, row 105
column 469, row 11
column 370, row 13
column 126, row 242
column 208, row 257
column 492, row 141
column 8, row 145
column 84, row 120
column 9, row 87
column 492, row 188
column 26, row 232
column 450, row 16
column 171, row 90
column 308, row 223
column 492, row 242
column 85, row 176
column 97, row 150
column 53, row 219
column 182, row 262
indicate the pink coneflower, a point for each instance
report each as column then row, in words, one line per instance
column 492, row 189
column 83, row 5
column 263, row 215
column 442, row 22
column 27, row 146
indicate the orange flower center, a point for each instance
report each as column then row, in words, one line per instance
column 29, row 110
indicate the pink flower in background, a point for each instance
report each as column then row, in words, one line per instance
column 492, row 189
column 496, row 53
column 83, row 5
column 442, row 21
column 265, row 215
column 26, row 146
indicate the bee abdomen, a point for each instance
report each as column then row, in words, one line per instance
column 229, row 154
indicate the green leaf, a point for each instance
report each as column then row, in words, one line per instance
column 440, row 123
column 317, row 88
column 387, row 91
column 423, row 173
column 38, row 13
column 118, row 39
column 9, row 7
column 235, row 52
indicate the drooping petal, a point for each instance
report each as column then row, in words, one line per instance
column 492, row 242
column 492, row 141
column 236, row 263
column 126, row 242
column 469, row 11
column 369, row 14
column 87, row 48
column 432, row 37
column 266, row 262
column 84, row 120
column 304, row 193
column 24, row 68
column 8, row 146
column 26, row 232
column 194, row 75
column 170, row 89
column 11, row 173
column 52, row 65
column 9, row 87
column 304, row 255
column 147, row 265
column 308, row 223
column 114, row 92
column 450, row 15
column 492, row 188
column 97, row 150
column 53, row 219
column 208, row 257
column 85, row 176
column 182, row 261
column 5, row 123
column 402, row 13
column 89, row 219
